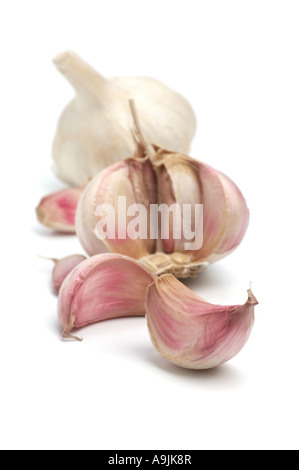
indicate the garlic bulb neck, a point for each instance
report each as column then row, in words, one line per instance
column 86, row 81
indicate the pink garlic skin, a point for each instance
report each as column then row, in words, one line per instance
column 129, row 178
column 103, row 287
column 58, row 210
column 192, row 333
column 63, row 267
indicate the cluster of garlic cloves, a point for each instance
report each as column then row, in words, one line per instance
column 93, row 131
column 192, row 333
column 154, row 175
column 184, row 328
column 133, row 165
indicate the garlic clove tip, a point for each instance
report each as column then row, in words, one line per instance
column 252, row 300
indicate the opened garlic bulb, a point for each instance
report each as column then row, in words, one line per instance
column 154, row 176
column 102, row 287
column 94, row 129
column 192, row 333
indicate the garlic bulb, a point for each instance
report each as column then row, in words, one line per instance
column 58, row 210
column 192, row 333
column 154, row 175
column 100, row 288
column 94, row 129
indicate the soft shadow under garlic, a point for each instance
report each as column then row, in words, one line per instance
column 216, row 276
column 222, row 376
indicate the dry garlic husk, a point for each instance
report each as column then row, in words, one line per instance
column 58, row 210
column 102, row 287
column 93, row 131
column 155, row 175
column 192, row 333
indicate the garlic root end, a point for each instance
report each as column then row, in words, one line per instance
column 66, row 335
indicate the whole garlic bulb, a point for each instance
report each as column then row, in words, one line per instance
column 94, row 129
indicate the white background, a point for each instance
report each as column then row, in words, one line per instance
column 237, row 62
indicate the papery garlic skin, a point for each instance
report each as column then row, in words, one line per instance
column 102, row 287
column 94, row 129
column 58, row 210
column 192, row 333
column 131, row 179
column 63, row 267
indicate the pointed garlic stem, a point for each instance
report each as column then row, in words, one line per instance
column 79, row 74
column 150, row 152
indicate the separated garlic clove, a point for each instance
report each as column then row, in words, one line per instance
column 58, row 210
column 93, row 131
column 63, row 267
column 102, row 287
column 135, row 182
column 192, row 333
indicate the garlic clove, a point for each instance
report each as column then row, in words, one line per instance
column 225, row 212
column 102, row 287
column 131, row 180
column 58, row 210
column 63, row 267
column 93, row 130
column 192, row 333
column 226, row 215
column 178, row 184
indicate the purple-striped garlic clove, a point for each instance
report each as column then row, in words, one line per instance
column 135, row 183
column 103, row 287
column 184, row 180
column 63, row 267
column 192, row 333
column 58, row 210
